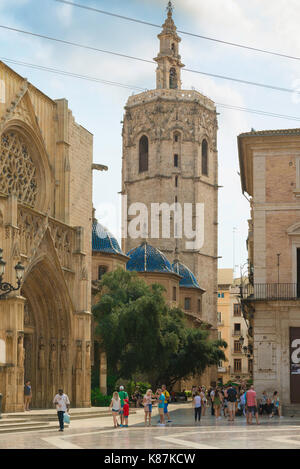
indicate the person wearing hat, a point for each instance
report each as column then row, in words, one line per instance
column 122, row 395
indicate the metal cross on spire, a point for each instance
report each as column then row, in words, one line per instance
column 170, row 8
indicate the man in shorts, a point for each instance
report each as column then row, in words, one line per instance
column 231, row 396
column 251, row 403
column 167, row 399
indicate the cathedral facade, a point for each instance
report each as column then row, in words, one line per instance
column 46, row 224
column 170, row 157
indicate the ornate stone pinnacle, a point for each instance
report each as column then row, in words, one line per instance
column 170, row 8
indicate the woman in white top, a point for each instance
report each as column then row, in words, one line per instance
column 197, row 407
column 115, row 406
column 147, row 403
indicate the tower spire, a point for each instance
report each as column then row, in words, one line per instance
column 169, row 61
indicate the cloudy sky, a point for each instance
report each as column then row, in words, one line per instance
column 267, row 24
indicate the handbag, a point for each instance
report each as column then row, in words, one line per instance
column 66, row 418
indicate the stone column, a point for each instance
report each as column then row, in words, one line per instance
column 12, row 360
column 103, row 373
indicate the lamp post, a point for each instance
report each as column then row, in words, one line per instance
column 6, row 287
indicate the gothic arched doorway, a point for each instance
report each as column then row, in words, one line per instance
column 47, row 334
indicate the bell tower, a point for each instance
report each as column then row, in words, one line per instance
column 170, row 159
column 168, row 60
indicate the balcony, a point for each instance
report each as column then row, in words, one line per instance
column 271, row 291
column 222, row 369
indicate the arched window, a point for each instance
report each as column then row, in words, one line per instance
column 177, row 137
column 143, row 154
column 176, row 181
column 173, row 79
column 205, row 157
column 102, row 269
column 173, row 47
column 176, row 161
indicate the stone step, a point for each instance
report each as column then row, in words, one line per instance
column 291, row 410
column 21, row 427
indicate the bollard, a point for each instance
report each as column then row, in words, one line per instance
column 0, row 405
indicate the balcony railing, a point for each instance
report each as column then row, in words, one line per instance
column 271, row 291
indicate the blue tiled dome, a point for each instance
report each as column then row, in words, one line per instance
column 146, row 258
column 188, row 279
column 103, row 240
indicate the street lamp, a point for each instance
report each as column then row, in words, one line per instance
column 6, row 287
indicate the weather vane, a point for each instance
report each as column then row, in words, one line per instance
column 170, row 8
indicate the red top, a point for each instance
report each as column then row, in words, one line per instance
column 126, row 409
column 251, row 398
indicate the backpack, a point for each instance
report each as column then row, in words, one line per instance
column 231, row 393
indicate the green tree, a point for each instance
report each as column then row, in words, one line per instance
column 141, row 334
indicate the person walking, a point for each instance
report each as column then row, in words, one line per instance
column 231, row 395
column 263, row 403
column 115, row 406
column 197, row 407
column 251, row 403
column 62, row 404
column 203, row 400
column 27, row 396
column 126, row 412
column 122, row 395
column 147, row 402
column 211, row 396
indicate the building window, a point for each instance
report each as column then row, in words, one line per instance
column 205, row 157
column 173, row 79
column 174, row 294
column 219, row 317
column 237, row 329
column 220, row 295
column 250, row 366
column 237, row 309
column 102, row 269
column 176, row 161
column 176, row 137
column 143, row 154
column 237, row 346
column 237, row 364
column 187, row 304
column 199, row 305
column 176, row 181
column 219, row 335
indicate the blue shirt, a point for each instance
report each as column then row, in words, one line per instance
column 161, row 401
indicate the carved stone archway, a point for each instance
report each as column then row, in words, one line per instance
column 47, row 334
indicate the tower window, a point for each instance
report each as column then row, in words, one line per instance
column 176, row 137
column 204, row 157
column 173, row 48
column 187, row 304
column 176, row 161
column 176, row 181
column 173, row 79
column 143, row 154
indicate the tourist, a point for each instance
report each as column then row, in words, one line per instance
column 203, row 400
column 147, row 402
column 217, row 400
column 276, row 405
column 231, row 395
column 161, row 404
column 251, row 403
column 115, row 406
column 166, row 404
column 122, row 395
column 263, row 403
column 62, row 404
column 269, row 407
column 27, row 395
column 243, row 402
column 197, row 407
column 126, row 412
column 211, row 394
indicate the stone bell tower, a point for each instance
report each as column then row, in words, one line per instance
column 170, row 157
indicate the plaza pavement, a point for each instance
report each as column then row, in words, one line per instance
column 182, row 433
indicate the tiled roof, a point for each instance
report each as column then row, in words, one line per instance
column 188, row 279
column 271, row 133
column 146, row 258
column 103, row 240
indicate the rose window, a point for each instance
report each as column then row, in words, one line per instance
column 17, row 170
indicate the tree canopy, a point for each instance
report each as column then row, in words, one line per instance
column 142, row 334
